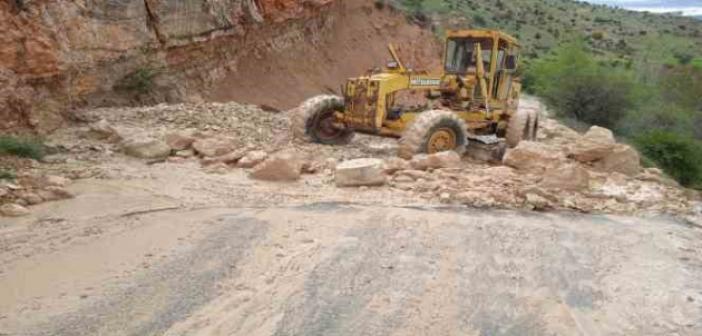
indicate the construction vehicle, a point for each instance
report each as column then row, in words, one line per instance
column 475, row 97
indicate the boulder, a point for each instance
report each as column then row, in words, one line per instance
column 623, row 159
column 360, row 172
column 596, row 144
column 533, row 157
column 447, row 159
column 179, row 141
column 102, row 130
column 214, row 147
column 251, row 159
column 30, row 197
column 567, row 177
column 144, row 147
column 395, row 164
column 13, row 210
column 537, row 202
column 56, row 181
column 54, row 194
column 281, row 166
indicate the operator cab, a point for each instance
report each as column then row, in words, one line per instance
column 499, row 53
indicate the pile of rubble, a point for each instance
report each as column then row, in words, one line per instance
column 562, row 170
column 28, row 190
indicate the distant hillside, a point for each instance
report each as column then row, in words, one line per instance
column 616, row 35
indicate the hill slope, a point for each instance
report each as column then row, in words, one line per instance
column 617, row 34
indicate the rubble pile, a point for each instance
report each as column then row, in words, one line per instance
column 562, row 170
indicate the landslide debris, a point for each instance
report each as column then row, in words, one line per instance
column 563, row 170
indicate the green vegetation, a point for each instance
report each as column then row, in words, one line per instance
column 637, row 73
column 140, row 81
column 679, row 155
column 21, row 147
column 6, row 174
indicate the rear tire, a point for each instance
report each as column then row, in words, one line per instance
column 429, row 132
column 519, row 128
column 312, row 121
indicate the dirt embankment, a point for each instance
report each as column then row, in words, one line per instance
column 56, row 55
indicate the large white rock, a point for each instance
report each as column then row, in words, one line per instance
column 533, row 157
column 144, row 147
column 568, row 177
column 281, row 166
column 596, row 144
column 360, row 172
column 623, row 159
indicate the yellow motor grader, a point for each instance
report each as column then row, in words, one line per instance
column 476, row 95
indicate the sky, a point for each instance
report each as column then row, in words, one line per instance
column 688, row 7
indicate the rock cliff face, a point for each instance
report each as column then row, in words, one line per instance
column 58, row 54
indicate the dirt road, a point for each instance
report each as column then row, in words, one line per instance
column 99, row 265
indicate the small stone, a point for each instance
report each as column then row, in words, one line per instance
column 102, row 130
column 214, row 147
column 187, row 153
column 56, row 181
column 537, row 202
column 251, row 159
column 445, row 197
column 30, row 197
column 447, row 159
column 13, row 210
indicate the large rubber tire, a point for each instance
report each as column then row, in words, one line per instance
column 308, row 121
column 415, row 138
column 518, row 128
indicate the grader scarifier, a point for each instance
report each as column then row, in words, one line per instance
column 476, row 95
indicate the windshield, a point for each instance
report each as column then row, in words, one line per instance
column 459, row 54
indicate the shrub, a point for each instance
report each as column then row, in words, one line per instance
column 140, row 81
column 26, row 148
column 6, row 175
column 679, row 155
column 577, row 87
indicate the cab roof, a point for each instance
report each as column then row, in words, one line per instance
column 482, row 33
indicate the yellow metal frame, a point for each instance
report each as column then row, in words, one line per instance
column 382, row 86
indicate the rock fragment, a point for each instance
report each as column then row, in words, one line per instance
column 144, row 147
column 360, row 172
column 281, row 166
column 13, row 210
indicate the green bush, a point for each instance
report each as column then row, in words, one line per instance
column 578, row 87
column 679, row 155
column 140, row 81
column 26, row 148
column 6, row 175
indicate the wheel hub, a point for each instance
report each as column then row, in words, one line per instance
column 443, row 139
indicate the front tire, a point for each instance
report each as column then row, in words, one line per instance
column 313, row 121
column 434, row 131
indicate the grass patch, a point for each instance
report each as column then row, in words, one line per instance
column 21, row 147
column 6, row 175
